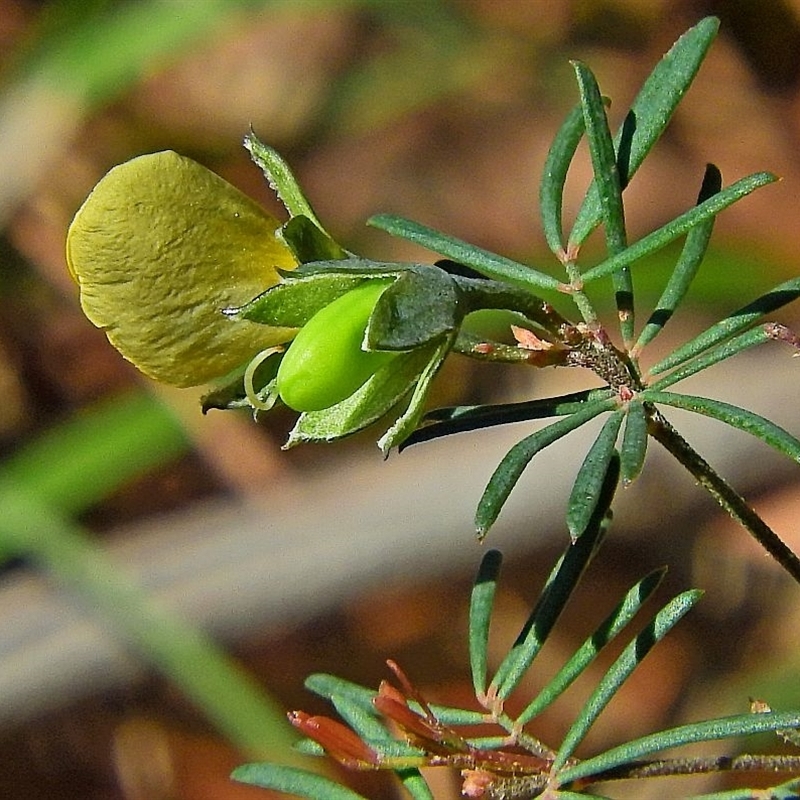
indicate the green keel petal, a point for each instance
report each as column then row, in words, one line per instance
column 159, row 248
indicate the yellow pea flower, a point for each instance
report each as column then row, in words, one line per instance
column 159, row 249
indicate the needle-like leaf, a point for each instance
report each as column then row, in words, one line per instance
column 589, row 481
column 517, row 459
column 483, row 261
column 480, row 615
column 292, row 780
column 680, row 225
column 634, row 442
column 588, row 651
column 740, row 320
column 650, row 113
column 557, row 590
column 736, row 417
column 621, row 669
column 554, row 176
column 706, row 731
column 714, row 355
column 458, row 419
column 694, row 249
column 609, row 191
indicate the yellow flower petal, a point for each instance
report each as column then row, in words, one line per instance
column 159, row 248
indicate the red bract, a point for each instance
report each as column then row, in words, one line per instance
column 338, row 740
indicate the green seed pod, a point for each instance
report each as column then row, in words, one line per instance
column 325, row 363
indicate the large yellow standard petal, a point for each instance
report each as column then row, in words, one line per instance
column 159, row 248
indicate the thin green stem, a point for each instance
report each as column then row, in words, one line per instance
column 661, row 430
column 700, row 766
column 577, row 294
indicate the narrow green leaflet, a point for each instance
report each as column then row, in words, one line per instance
column 609, row 191
column 458, row 716
column 743, row 318
column 619, row 672
column 371, row 730
column 558, row 588
column 327, row 686
column 554, row 176
column 294, row 781
column 589, row 481
column 714, row 355
column 706, row 731
column 415, row 784
column 366, row 722
column 748, row 421
column 634, row 442
column 650, row 113
column 510, row 469
column 480, row 614
column 680, row 225
column 694, row 250
column 483, row 261
column 588, row 651
column 459, row 419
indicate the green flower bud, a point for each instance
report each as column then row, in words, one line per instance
column 326, row 363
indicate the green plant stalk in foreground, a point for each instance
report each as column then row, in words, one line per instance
column 76, row 465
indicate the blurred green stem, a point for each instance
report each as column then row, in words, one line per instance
column 228, row 697
column 66, row 471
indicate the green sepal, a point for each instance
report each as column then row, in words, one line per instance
column 297, row 298
column 281, row 178
column 374, row 399
column 228, row 396
column 420, row 306
column 482, row 293
column 308, row 242
column 407, row 422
